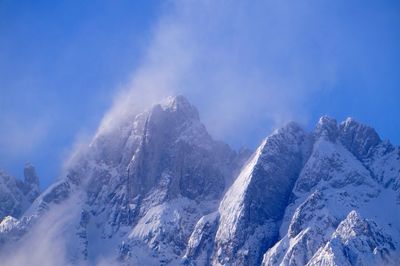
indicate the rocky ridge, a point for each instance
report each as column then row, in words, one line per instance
column 158, row 190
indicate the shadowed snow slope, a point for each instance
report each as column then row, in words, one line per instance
column 156, row 189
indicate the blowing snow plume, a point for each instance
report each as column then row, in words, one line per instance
column 244, row 65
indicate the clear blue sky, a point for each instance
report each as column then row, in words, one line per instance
column 61, row 63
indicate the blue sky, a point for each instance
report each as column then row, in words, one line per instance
column 249, row 66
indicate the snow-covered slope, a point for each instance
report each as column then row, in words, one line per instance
column 336, row 181
column 156, row 189
column 356, row 241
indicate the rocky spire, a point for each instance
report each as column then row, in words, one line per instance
column 326, row 128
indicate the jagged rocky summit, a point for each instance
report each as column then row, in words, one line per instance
column 17, row 195
column 156, row 189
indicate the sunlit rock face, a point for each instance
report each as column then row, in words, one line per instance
column 256, row 202
column 154, row 188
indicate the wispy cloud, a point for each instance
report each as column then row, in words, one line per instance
column 46, row 242
column 242, row 64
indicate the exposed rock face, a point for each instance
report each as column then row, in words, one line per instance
column 16, row 195
column 158, row 190
column 255, row 203
column 30, row 187
column 357, row 138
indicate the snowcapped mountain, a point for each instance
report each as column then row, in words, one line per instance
column 156, row 189
column 337, row 183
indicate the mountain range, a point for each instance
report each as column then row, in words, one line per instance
column 154, row 188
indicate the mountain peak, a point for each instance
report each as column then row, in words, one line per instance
column 179, row 104
column 290, row 127
column 352, row 123
column 357, row 137
column 326, row 120
column 175, row 100
column 326, row 128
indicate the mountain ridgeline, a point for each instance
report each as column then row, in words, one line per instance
column 157, row 189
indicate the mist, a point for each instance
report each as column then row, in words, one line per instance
column 45, row 244
column 249, row 67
